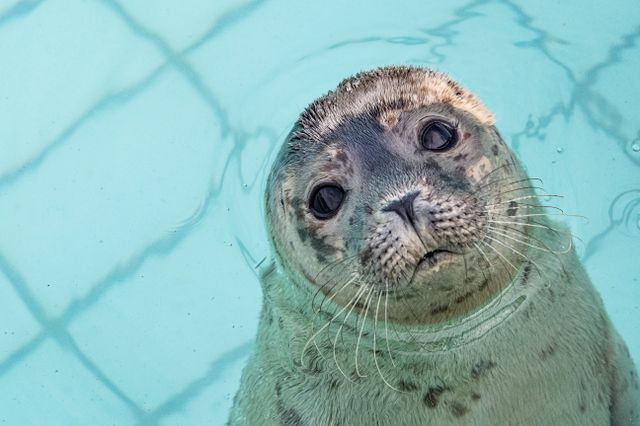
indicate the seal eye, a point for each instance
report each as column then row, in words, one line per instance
column 438, row 136
column 325, row 201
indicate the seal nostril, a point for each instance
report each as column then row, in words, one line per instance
column 403, row 207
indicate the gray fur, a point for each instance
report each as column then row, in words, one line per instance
column 515, row 335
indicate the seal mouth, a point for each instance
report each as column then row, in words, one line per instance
column 433, row 257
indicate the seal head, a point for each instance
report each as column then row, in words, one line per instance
column 398, row 184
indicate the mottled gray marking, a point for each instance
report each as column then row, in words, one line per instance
column 439, row 309
column 525, row 273
column 405, row 386
column 302, row 233
column 458, row 409
column 432, row 395
column 548, row 351
column 289, row 416
column 481, row 368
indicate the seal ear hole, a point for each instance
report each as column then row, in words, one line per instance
column 438, row 135
column 325, row 201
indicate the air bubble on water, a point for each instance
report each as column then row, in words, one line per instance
column 559, row 150
column 635, row 147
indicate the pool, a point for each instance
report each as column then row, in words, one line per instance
column 135, row 142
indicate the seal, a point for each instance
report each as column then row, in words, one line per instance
column 418, row 278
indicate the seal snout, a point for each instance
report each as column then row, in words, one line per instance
column 404, row 208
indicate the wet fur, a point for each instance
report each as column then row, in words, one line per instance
column 555, row 361
column 558, row 361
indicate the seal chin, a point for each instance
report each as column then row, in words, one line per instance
column 434, row 259
column 438, row 264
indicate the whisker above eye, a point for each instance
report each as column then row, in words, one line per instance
column 478, row 191
column 525, row 197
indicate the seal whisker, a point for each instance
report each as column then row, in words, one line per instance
column 337, row 278
column 386, row 322
column 314, row 335
column 537, row 214
column 499, row 254
column 524, row 197
column 375, row 351
column 513, row 250
column 508, row 230
column 355, row 277
column 522, row 188
column 338, row 263
column 502, row 258
column 527, row 206
column 509, row 234
column 483, row 254
column 409, row 308
column 482, row 189
column 533, row 225
column 366, row 310
column 353, row 303
column 488, row 175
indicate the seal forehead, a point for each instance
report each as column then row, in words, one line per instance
column 386, row 89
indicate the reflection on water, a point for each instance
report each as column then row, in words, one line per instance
column 134, row 148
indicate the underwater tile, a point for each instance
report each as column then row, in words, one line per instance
column 161, row 329
column 290, row 66
column 123, row 180
column 212, row 404
column 180, row 24
column 579, row 33
column 51, row 384
column 65, row 57
column 10, row 7
column 17, row 325
column 612, row 98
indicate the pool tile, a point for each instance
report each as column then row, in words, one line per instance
column 180, row 24
column 51, row 387
column 161, row 329
column 122, row 180
column 212, row 402
column 65, row 57
column 267, row 66
column 579, row 34
column 17, row 325
column 612, row 96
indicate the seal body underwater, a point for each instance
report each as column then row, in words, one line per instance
column 417, row 277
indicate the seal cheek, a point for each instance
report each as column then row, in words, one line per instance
column 479, row 169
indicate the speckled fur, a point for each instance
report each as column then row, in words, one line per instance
column 555, row 361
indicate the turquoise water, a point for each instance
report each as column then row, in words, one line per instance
column 134, row 144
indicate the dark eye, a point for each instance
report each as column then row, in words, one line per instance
column 325, row 201
column 438, row 136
